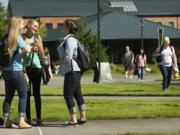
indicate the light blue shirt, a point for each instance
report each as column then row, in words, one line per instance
column 70, row 51
column 16, row 64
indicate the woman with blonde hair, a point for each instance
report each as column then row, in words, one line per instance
column 13, row 74
column 34, row 68
column 168, row 59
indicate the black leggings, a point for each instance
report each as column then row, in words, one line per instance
column 34, row 75
column 72, row 89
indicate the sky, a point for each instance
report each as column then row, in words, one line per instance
column 5, row 2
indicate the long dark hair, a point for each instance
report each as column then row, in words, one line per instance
column 71, row 25
column 142, row 53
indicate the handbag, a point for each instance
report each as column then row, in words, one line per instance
column 158, row 58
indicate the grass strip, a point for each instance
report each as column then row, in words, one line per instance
column 56, row 110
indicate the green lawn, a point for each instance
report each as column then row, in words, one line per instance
column 119, row 89
column 56, row 110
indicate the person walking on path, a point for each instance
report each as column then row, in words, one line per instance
column 140, row 62
column 168, row 59
column 13, row 74
column 128, row 61
column 45, row 66
column 34, row 68
column 72, row 72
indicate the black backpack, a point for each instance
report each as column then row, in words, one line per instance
column 6, row 56
column 83, row 58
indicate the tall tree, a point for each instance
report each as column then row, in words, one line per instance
column 3, row 20
column 89, row 39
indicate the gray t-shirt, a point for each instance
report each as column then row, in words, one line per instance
column 128, row 58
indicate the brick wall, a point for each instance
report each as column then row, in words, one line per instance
column 54, row 20
column 166, row 20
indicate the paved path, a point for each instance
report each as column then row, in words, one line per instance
column 109, row 127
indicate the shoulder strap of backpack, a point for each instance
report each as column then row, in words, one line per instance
column 172, row 50
column 161, row 48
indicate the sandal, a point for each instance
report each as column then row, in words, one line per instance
column 10, row 124
column 24, row 125
column 81, row 122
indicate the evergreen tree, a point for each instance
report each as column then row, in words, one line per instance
column 3, row 20
column 89, row 39
column 42, row 31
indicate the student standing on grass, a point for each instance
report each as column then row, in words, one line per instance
column 34, row 68
column 13, row 74
column 128, row 61
column 166, row 64
column 140, row 62
column 72, row 79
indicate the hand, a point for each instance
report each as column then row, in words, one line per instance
column 34, row 49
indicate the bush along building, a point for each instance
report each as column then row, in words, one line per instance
column 123, row 22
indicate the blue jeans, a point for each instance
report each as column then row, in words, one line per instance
column 167, row 73
column 140, row 72
column 72, row 89
column 14, row 80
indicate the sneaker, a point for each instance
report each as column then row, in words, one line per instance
column 38, row 122
column 142, row 80
column 81, row 122
column 165, row 90
column 29, row 121
column 139, row 79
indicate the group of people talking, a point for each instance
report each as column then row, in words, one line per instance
column 28, row 60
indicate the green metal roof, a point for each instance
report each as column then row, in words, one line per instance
column 54, row 35
column 53, row 8
column 116, row 25
column 157, row 7
column 50, row 8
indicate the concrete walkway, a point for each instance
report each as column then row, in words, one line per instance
column 108, row 127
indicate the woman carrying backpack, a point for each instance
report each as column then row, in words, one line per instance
column 34, row 68
column 72, row 79
column 13, row 74
column 168, row 59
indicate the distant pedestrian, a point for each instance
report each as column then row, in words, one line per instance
column 168, row 59
column 96, row 72
column 69, row 67
column 45, row 66
column 140, row 62
column 128, row 62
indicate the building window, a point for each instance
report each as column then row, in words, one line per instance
column 171, row 24
column 49, row 25
column 59, row 25
column 159, row 22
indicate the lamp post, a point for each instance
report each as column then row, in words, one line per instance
column 142, row 30
column 98, row 27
